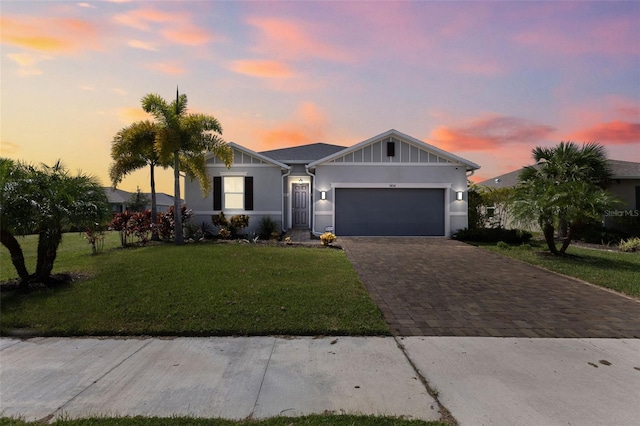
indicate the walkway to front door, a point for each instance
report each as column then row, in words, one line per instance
column 439, row 287
column 300, row 205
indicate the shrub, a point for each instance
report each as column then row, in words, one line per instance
column 630, row 245
column 494, row 235
column 237, row 223
column 219, row 220
column 131, row 225
column 502, row 245
column 166, row 222
column 598, row 234
column 327, row 238
column 267, row 227
column 224, row 233
column 199, row 232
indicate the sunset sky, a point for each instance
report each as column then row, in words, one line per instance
column 487, row 81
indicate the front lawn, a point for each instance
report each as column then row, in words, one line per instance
column 611, row 269
column 208, row 289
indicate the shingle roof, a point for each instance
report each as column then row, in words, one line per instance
column 624, row 169
column 117, row 196
column 619, row 170
column 303, row 153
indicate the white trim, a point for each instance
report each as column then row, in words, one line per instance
column 233, row 174
column 234, row 212
column 458, row 214
column 259, row 156
column 390, row 185
column 395, row 164
column 323, row 213
column 212, row 166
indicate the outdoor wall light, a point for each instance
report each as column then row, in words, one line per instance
column 323, row 195
column 459, row 195
column 300, row 181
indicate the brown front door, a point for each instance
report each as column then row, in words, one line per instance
column 300, row 205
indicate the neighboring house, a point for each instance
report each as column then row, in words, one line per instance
column 390, row 184
column 624, row 184
column 119, row 199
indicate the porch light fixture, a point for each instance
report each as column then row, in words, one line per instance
column 323, row 195
column 300, row 181
column 459, row 195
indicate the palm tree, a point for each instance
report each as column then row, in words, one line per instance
column 134, row 148
column 14, row 211
column 564, row 189
column 48, row 201
column 184, row 139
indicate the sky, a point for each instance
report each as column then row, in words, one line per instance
column 487, row 81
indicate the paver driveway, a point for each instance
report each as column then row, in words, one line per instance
column 439, row 287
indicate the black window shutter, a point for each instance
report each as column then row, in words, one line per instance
column 217, row 193
column 248, row 192
column 391, row 149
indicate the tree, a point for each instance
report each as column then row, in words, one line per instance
column 564, row 189
column 138, row 202
column 133, row 148
column 47, row 201
column 184, row 139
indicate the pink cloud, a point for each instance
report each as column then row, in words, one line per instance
column 614, row 133
column 489, row 133
column 170, row 68
column 52, row 35
column 291, row 40
column 265, row 69
column 177, row 28
column 188, row 36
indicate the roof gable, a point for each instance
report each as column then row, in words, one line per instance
column 408, row 150
column 245, row 157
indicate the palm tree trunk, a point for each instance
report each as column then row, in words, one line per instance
column 567, row 239
column 17, row 257
column 154, row 207
column 548, row 231
column 48, row 242
column 177, row 208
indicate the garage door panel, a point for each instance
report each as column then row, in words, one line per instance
column 389, row 211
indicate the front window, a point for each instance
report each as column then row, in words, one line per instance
column 233, row 192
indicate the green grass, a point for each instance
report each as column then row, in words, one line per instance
column 614, row 270
column 313, row 420
column 208, row 289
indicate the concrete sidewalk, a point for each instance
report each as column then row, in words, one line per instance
column 498, row 381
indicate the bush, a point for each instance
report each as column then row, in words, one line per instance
column 327, row 238
column 598, row 234
column 267, row 228
column 220, row 220
column 502, row 245
column 166, row 222
column 199, row 232
column 237, row 223
column 494, row 235
column 630, row 245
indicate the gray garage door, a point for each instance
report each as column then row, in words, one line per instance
column 389, row 211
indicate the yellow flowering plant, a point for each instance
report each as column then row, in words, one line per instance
column 327, row 238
